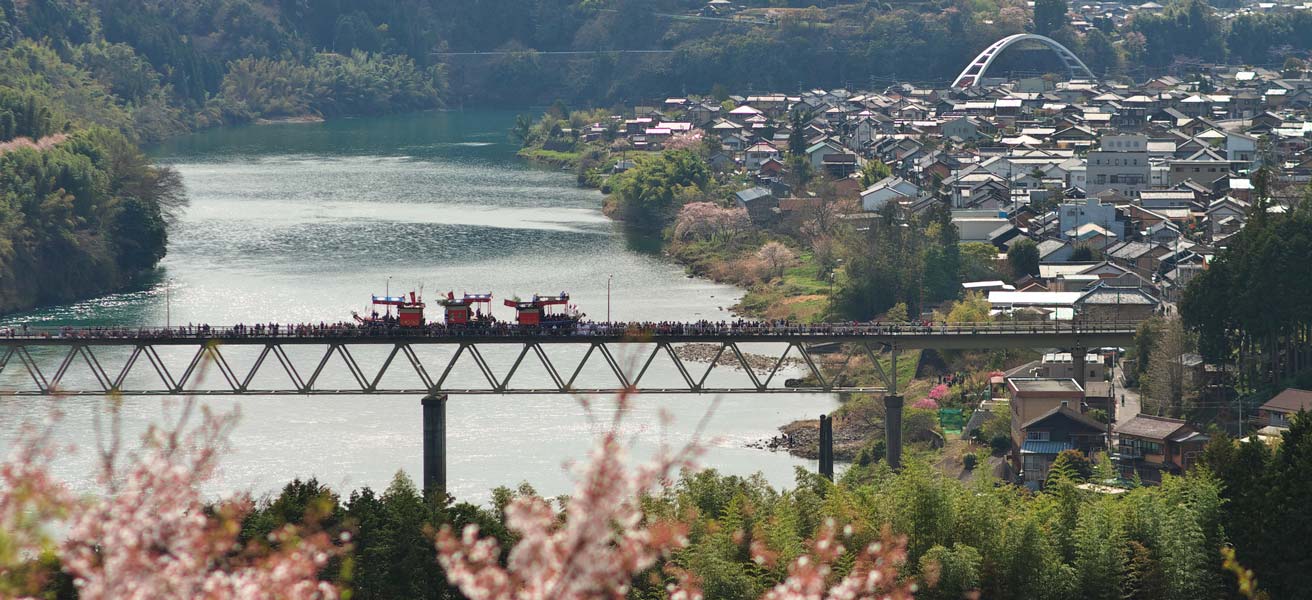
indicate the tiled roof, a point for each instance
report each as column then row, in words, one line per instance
column 1150, row 427
column 1290, row 401
column 1107, row 295
column 1069, row 413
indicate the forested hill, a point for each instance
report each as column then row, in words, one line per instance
column 83, row 83
column 81, row 210
column 182, row 63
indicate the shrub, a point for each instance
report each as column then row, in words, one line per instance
column 1000, row 444
column 970, row 460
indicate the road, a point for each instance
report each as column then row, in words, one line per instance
column 1133, row 404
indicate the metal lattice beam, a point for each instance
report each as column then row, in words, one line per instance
column 22, row 358
column 233, row 381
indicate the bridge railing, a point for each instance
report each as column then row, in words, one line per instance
column 439, row 332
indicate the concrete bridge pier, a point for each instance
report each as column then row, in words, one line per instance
column 893, row 430
column 435, row 443
column 827, row 447
column 1079, row 365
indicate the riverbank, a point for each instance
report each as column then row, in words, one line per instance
column 798, row 291
column 302, row 119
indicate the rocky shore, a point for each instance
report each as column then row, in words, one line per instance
column 705, row 353
column 802, row 439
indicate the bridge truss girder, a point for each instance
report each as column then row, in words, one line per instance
column 235, row 382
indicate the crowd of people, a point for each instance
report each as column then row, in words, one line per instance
column 740, row 327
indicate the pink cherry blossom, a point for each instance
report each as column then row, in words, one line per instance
column 605, row 541
column 684, row 141
column 149, row 534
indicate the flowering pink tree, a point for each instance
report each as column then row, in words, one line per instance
column 708, row 220
column 605, row 541
column 29, row 499
column 687, row 140
column 149, row 533
column 926, row 404
column 874, row 575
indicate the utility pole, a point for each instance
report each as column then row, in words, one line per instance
column 608, row 280
column 168, row 303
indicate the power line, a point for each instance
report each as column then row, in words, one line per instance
column 675, row 17
column 550, row 52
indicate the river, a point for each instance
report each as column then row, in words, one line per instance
column 302, row 222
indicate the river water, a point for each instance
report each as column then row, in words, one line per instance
column 302, row 222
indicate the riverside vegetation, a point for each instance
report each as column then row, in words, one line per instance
column 82, row 211
column 813, row 267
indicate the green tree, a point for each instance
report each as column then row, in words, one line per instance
column 1049, row 16
column 883, row 267
column 1271, row 543
column 1070, row 466
column 956, row 570
column 797, row 122
column 1023, row 257
column 942, row 270
column 873, row 172
column 979, row 261
column 972, row 308
column 1082, row 253
column 647, row 195
column 1100, row 54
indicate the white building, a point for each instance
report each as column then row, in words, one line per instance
column 888, row 189
column 1071, row 217
column 1120, row 164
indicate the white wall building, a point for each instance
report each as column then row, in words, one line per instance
column 1120, row 164
column 1073, row 216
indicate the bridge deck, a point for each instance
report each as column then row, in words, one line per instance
column 940, row 336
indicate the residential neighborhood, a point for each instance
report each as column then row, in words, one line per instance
column 1127, row 192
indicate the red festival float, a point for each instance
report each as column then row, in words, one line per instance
column 545, row 310
column 465, row 310
column 409, row 311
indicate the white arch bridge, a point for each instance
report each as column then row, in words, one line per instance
column 974, row 72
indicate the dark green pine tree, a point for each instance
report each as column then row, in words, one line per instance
column 797, row 134
column 942, row 277
column 1049, row 16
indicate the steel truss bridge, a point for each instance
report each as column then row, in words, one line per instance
column 146, row 369
column 47, row 357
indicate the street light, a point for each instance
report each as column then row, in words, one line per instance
column 608, row 279
column 168, row 303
